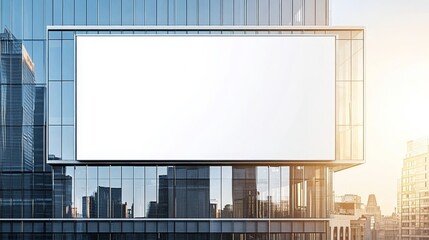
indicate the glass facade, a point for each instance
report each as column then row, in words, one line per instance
column 87, row 191
column 45, row 193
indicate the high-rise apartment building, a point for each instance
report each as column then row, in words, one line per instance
column 413, row 193
column 172, row 199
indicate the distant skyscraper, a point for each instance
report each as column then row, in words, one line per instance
column 414, row 192
column 17, row 102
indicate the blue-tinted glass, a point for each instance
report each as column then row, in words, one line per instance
column 252, row 9
column 171, row 12
column 54, row 102
column 263, row 12
column 239, row 12
column 150, row 12
column 203, row 12
column 161, row 12
column 39, row 61
column 17, row 17
column 68, row 60
column 104, row 12
column 127, row 12
column 215, row 192
column 69, row 35
column 139, row 12
column 181, row 12
column 191, row 12
column 127, row 200
column 38, row 19
column 28, row 45
column 5, row 15
column 68, row 11
column 28, row 19
column 48, row 13
column 227, row 14
column 92, row 185
column 275, row 12
column 115, row 12
column 103, row 172
column 80, row 13
column 92, row 12
column 58, row 12
column 54, row 142
column 215, row 12
column 68, row 103
column 54, row 59
column 68, row 143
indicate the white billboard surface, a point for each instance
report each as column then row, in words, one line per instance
column 205, row 98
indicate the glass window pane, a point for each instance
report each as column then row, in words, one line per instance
column 92, row 12
column 28, row 19
column 357, row 142
column 150, row 12
column 215, row 15
column 285, row 189
column 357, row 60
column 343, row 98
column 262, row 188
column 115, row 12
column 54, row 143
column 38, row 19
column 127, row 12
column 104, row 12
column 17, row 16
column 191, row 12
column 343, row 59
column 68, row 11
column 89, row 204
column 343, row 143
column 287, row 12
column 54, row 59
column 58, row 12
column 150, row 192
column 5, row 15
column 321, row 12
column 275, row 12
column 310, row 18
column 39, row 61
column 263, row 12
column 103, row 193
column 47, row 14
column 215, row 192
column 54, row 103
column 357, row 103
column 298, row 12
column 275, row 192
column 68, row 103
column 181, row 12
column 80, row 13
column 161, row 12
column 68, row 60
column 139, row 12
column 227, row 208
column 203, row 12
column 80, row 191
column 139, row 192
column 68, row 143
column 251, row 15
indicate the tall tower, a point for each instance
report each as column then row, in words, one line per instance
column 413, row 192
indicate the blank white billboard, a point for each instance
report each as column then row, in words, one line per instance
column 205, row 97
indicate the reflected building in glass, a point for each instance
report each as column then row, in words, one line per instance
column 157, row 200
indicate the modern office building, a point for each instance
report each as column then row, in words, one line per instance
column 108, row 198
column 413, row 193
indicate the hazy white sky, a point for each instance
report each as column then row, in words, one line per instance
column 397, row 90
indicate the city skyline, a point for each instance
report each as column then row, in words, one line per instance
column 396, row 91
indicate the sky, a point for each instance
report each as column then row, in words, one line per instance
column 396, row 91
